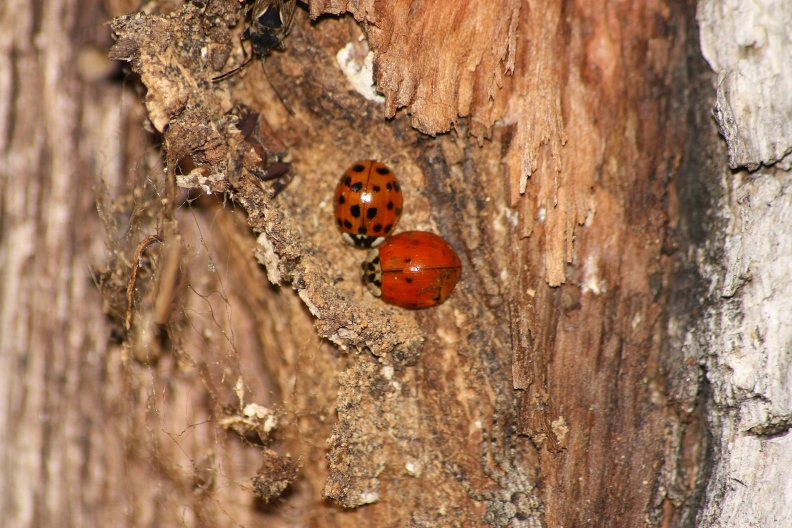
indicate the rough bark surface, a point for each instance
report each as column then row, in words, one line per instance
column 744, row 336
column 214, row 391
column 490, row 61
column 748, row 44
column 745, row 339
column 65, row 409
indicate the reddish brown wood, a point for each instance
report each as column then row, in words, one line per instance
column 560, row 217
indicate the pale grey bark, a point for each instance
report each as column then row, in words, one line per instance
column 745, row 336
column 749, row 44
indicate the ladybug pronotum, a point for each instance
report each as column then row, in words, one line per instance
column 368, row 203
column 413, row 270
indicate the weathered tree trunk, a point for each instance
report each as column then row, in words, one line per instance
column 743, row 336
column 64, row 407
column 558, row 147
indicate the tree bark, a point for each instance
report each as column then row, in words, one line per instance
column 743, row 336
column 65, row 130
column 201, row 352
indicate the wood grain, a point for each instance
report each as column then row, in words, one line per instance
column 540, row 141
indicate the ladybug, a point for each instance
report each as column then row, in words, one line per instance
column 368, row 203
column 413, row 270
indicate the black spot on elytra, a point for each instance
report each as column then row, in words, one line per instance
column 376, row 188
column 341, row 200
column 398, row 211
column 437, row 299
column 383, row 170
column 358, row 168
column 355, row 211
column 371, row 213
column 378, row 228
column 390, row 206
column 389, row 186
column 407, row 261
column 409, row 280
column 396, row 186
column 340, row 223
column 347, row 224
column 388, row 228
column 347, row 181
column 362, row 230
column 357, row 187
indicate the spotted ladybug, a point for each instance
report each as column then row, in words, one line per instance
column 368, row 203
column 413, row 270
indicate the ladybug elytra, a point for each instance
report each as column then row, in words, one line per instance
column 413, row 270
column 368, row 203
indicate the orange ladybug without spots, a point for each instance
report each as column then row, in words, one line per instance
column 368, row 203
column 413, row 270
